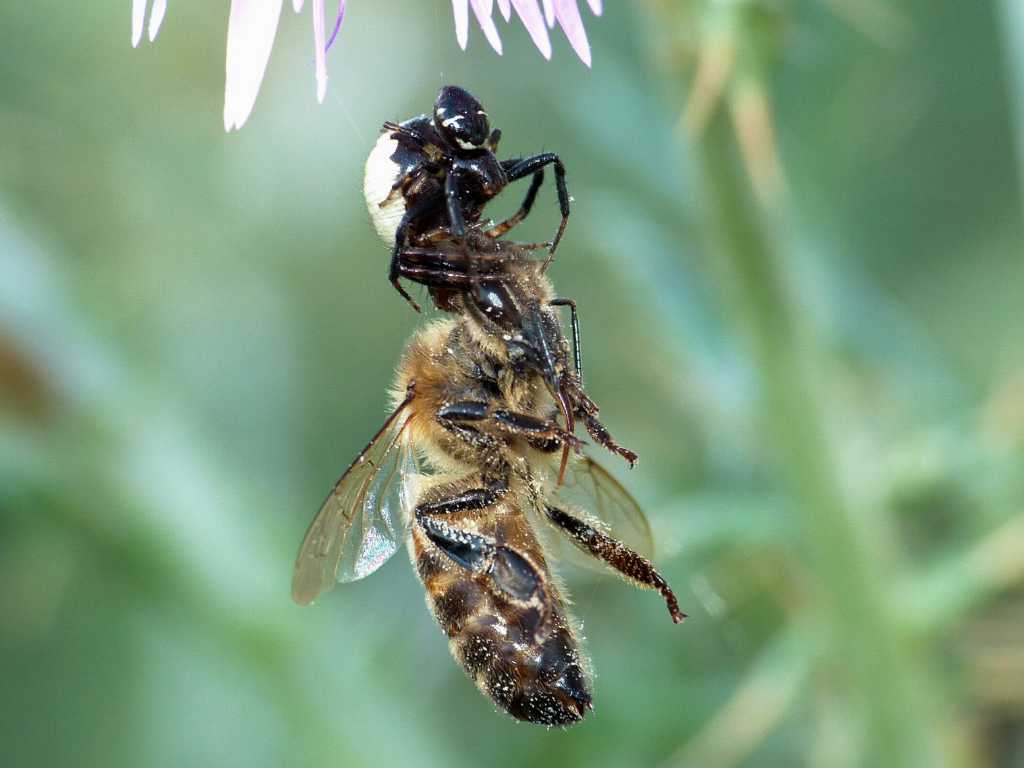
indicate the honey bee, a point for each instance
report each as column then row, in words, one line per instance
column 439, row 171
column 463, row 472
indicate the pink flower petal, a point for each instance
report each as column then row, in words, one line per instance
column 549, row 13
column 569, row 19
column 482, row 10
column 505, row 8
column 252, row 25
column 320, row 52
column 529, row 14
column 156, row 17
column 138, row 17
column 460, row 9
column 595, row 6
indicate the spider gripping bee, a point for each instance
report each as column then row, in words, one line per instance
column 462, row 472
column 438, row 172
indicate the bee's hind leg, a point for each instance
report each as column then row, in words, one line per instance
column 631, row 565
column 507, row 570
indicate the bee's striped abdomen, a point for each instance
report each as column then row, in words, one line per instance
column 525, row 657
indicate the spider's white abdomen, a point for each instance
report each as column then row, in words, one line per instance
column 380, row 175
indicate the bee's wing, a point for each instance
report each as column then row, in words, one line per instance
column 363, row 519
column 592, row 494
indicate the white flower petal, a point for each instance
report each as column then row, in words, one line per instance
column 460, row 9
column 297, row 5
column 505, row 8
column 320, row 42
column 529, row 14
column 482, row 9
column 138, row 17
column 252, row 25
column 549, row 13
column 156, row 17
column 595, row 6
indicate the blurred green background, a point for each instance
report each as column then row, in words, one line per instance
column 801, row 304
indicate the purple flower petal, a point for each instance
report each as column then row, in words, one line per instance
column 138, row 17
column 529, row 14
column 482, row 9
column 252, row 25
column 320, row 49
column 156, row 17
column 549, row 13
column 337, row 24
column 460, row 9
column 505, row 8
column 569, row 19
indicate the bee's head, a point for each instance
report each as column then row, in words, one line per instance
column 516, row 320
column 460, row 118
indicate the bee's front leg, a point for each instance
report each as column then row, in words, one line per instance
column 468, row 419
column 600, row 434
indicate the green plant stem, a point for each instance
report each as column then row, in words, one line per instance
column 884, row 676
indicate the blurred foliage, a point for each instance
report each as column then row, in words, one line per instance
column 797, row 249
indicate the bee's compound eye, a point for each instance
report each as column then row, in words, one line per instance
column 493, row 299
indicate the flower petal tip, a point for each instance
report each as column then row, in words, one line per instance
column 156, row 18
column 138, row 17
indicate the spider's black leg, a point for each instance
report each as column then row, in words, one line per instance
column 437, row 277
column 444, row 268
column 451, row 195
column 419, row 209
column 493, row 139
column 524, row 209
column 518, row 169
column 405, row 131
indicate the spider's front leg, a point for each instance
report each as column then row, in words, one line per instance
column 519, row 168
column 524, row 209
column 453, row 201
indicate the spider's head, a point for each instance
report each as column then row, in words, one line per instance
column 460, row 118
